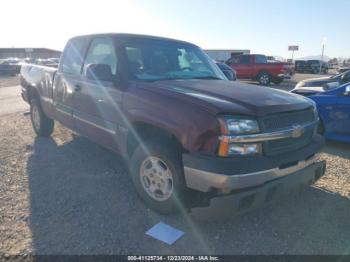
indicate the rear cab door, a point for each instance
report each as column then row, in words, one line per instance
column 259, row 63
column 68, row 79
column 242, row 65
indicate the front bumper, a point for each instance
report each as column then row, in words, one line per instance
column 252, row 198
column 224, row 175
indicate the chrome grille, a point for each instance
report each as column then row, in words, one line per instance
column 285, row 120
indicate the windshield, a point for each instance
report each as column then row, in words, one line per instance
column 340, row 75
column 152, row 60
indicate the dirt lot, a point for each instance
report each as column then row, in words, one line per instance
column 66, row 195
column 6, row 81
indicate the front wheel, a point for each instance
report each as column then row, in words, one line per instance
column 157, row 174
column 320, row 128
column 42, row 125
column 264, row 79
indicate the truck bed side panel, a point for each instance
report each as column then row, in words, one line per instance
column 40, row 79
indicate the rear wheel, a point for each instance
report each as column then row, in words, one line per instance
column 157, row 174
column 264, row 78
column 42, row 125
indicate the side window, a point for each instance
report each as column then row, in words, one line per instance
column 102, row 51
column 244, row 59
column 346, row 78
column 233, row 60
column 73, row 56
column 260, row 59
column 188, row 59
column 135, row 59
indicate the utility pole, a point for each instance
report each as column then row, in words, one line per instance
column 323, row 44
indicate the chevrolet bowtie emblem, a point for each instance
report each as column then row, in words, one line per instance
column 298, row 131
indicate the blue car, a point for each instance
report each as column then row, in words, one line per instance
column 334, row 110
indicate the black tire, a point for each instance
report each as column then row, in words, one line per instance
column 278, row 81
column 264, row 78
column 42, row 125
column 169, row 155
column 320, row 128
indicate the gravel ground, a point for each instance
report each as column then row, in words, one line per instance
column 6, row 81
column 66, row 195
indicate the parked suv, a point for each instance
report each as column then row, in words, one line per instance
column 183, row 128
column 311, row 66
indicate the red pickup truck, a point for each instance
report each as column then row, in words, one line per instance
column 257, row 67
column 189, row 136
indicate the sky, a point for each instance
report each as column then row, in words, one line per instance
column 263, row 26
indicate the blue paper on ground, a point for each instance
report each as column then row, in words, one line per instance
column 165, row 233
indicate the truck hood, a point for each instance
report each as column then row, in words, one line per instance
column 221, row 96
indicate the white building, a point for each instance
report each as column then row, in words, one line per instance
column 223, row 55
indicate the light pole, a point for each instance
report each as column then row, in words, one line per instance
column 323, row 44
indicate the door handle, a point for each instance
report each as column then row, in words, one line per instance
column 77, row 87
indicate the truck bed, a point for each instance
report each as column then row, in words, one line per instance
column 40, row 77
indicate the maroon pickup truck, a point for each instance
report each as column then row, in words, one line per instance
column 188, row 135
column 257, row 68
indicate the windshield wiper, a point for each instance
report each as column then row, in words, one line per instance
column 167, row 78
column 207, row 77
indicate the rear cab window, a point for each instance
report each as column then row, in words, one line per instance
column 244, row 59
column 260, row 59
column 73, row 56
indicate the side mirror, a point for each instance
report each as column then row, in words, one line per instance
column 102, row 72
column 347, row 91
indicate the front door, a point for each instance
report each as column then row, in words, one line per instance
column 337, row 107
column 97, row 104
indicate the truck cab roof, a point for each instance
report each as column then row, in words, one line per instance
column 131, row 36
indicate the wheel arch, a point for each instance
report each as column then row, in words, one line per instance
column 263, row 71
column 32, row 93
column 141, row 131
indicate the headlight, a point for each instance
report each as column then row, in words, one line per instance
column 235, row 127
column 241, row 126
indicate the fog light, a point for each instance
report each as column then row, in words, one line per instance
column 243, row 149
